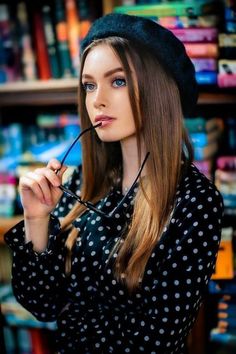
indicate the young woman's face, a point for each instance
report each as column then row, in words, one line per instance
column 107, row 99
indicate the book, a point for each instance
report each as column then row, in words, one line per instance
column 201, row 139
column 84, row 10
column 204, row 64
column 226, row 80
column 28, row 62
column 200, row 35
column 206, row 152
column 222, row 287
column 227, row 39
column 42, row 58
column 189, row 21
column 50, row 38
column 37, row 341
column 62, row 40
column 206, row 78
column 225, row 338
column 225, row 176
column 7, row 51
column 201, row 124
column 224, row 264
column 9, row 340
column 174, row 8
column 226, row 163
column 73, row 34
column 227, row 66
column 24, row 341
column 202, row 50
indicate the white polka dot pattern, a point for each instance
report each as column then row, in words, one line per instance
column 95, row 313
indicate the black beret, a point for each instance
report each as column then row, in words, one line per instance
column 169, row 50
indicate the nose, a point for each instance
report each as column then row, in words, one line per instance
column 100, row 98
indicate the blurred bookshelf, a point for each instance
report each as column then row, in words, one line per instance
column 53, row 91
column 50, row 105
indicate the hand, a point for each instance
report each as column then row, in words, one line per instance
column 39, row 190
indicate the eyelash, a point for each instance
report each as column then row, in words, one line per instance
column 87, row 84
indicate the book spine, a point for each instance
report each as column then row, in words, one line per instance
column 162, row 10
column 227, row 66
column 62, row 40
column 191, row 35
column 204, row 153
column 225, row 338
column 24, row 341
column 50, row 41
column 227, row 39
column 28, row 63
column 199, row 139
column 171, row 22
column 41, row 47
column 83, row 9
column 226, row 80
column 10, row 340
column 206, row 78
column 84, row 28
column 226, row 163
column 204, row 64
column 203, row 50
column 73, row 34
column 7, row 59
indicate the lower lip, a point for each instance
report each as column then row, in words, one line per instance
column 106, row 122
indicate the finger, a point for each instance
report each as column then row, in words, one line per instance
column 54, row 164
column 61, row 171
column 27, row 183
column 44, row 185
column 51, row 176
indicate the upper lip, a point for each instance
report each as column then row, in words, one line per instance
column 102, row 117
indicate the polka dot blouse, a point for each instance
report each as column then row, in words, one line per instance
column 94, row 312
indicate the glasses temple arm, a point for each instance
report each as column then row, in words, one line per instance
column 86, row 204
column 129, row 191
column 75, row 141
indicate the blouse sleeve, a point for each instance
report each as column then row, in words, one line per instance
column 38, row 279
column 176, row 285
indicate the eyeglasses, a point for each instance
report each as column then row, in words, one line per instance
column 88, row 204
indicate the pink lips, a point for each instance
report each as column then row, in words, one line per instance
column 105, row 120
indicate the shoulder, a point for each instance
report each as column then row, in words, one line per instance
column 195, row 188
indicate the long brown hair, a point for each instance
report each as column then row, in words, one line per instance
column 159, row 120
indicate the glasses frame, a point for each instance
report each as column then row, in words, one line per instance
column 88, row 204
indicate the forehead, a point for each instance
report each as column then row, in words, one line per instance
column 101, row 57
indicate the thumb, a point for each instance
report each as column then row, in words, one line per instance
column 62, row 170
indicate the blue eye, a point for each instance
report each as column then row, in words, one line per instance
column 89, row 87
column 119, row 82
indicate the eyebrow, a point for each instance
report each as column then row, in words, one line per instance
column 107, row 74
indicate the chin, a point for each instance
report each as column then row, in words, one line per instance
column 111, row 137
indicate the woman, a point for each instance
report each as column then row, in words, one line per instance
column 122, row 275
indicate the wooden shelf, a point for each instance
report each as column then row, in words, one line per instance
column 6, row 224
column 64, row 92
column 219, row 98
column 35, row 93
